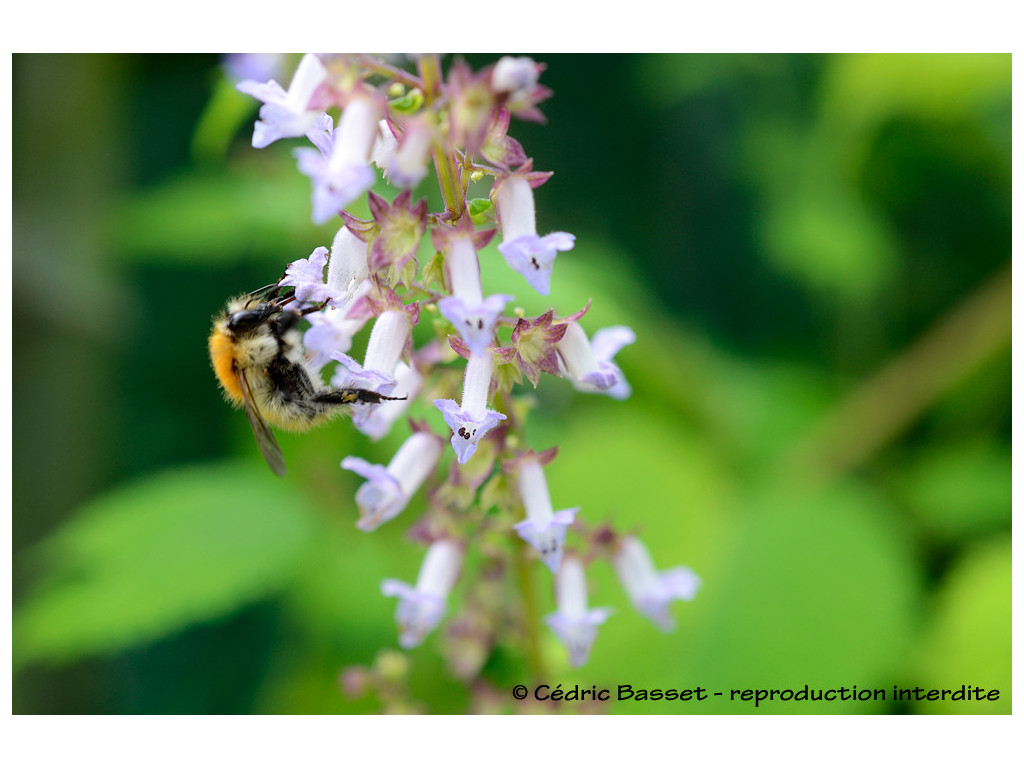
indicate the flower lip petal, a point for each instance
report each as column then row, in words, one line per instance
column 379, row 499
column 307, row 277
column 474, row 324
column 578, row 632
column 548, row 538
column 607, row 342
column 467, row 429
column 533, row 257
column 286, row 114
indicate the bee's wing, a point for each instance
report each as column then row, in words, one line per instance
column 264, row 437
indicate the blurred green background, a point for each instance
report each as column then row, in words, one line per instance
column 813, row 250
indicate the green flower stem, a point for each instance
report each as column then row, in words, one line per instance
column 393, row 73
column 444, row 162
column 527, row 568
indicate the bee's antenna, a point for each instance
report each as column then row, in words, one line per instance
column 264, row 289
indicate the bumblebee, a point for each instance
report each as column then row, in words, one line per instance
column 257, row 355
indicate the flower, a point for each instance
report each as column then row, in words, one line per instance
column 473, row 316
column 388, row 340
column 500, row 148
column 471, row 421
column 528, row 254
column 253, row 66
column 340, row 171
column 286, row 114
column 388, row 489
column 307, row 276
column 348, row 267
column 421, row 608
column 514, row 79
column 534, row 343
column 408, row 165
column 384, row 147
column 543, row 528
column 588, row 364
column 575, row 625
column 331, row 332
column 378, row 423
column 475, row 324
column 402, row 225
column 472, row 106
column 393, row 235
column 515, row 75
column 648, row 590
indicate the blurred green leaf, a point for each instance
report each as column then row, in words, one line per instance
column 152, row 557
column 204, row 218
column 225, row 113
column 408, row 103
column 967, row 641
column 751, row 408
column 821, row 234
column 481, row 211
column 959, row 489
column 862, row 90
column 666, row 78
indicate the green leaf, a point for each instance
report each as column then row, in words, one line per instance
column 203, row 218
column 154, row 556
column 226, row 111
column 967, row 641
column 480, row 210
column 863, row 90
column 822, row 235
column 960, row 489
column 433, row 271
column 409, row 103
column 817, row 591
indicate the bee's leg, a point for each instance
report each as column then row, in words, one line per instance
column 351, row 396
column 315, row 308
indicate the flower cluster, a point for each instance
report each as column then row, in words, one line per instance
column 362, row 115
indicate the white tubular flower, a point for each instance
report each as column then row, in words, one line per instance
column 464, row 270
column 408, row 381
column 471, row 420
column 388, row 489
column 651, row 591
column 384, row 147
column 589, row 364
column 408, row 165
column 528, row 254
column 348, row 268
column 544, row 529
column 421, row 608
column 340, row 169
column 473, row 316
column 330, row 333
column 575, row 624
column 286, row 114
column 387, row 341
column 515, row 75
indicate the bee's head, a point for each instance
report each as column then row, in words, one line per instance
column 247, row 320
